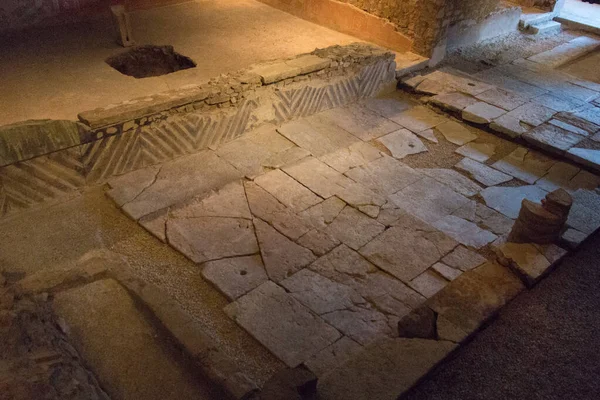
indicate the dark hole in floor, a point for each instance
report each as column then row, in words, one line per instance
column 146, row 61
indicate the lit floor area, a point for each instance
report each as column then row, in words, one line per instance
column 581, row 12
column 55, row 73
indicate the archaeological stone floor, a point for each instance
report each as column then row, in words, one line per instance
column 327, row 230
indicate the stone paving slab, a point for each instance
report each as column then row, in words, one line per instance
column 482, row 173
column 402, row 143
column 362, row 122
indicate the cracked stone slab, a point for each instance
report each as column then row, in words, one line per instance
column 559, row 176
column 464, row 232
column 463, row 259
column 559, row 102
column 236, row 276
column 127, row 187
column 384, row 369
column 362, row 122
column 282, row 324
column 482, row 173
column 428, row 135
column 324, row 213
column 402, row 143
column 321, row 294
column 211, row 238
column 361, row 324
column 532, row 113
column 510, row 126
column 354, row 156
column 428, row 283
column 281, row 256
column 568, row 127
column 552, row 138
column 525, row 258
column 456, row 133
column 526, row 165
column 249, row 152
column 318, row 242
column 316, row 135
column 428, row 200
column 446, row 271
column 228, row 201
column 388, row 107
column 287, row 157
column 480, row 152
column 267, row 208
column 485, row 217
column 333, row 356
column 501, row 98
column 287, row 190
column 418, row 119
column 354, row 228
column 384, row 175
column 453, row 179
column 482, row 113
column 455, row 101
column 179, row 180
column 507, row 200
column 406, row 252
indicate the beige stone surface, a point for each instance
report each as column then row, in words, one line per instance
column 385, row 175
column 418, row 119
column 452, row 179
column 480, row 152
column 463, row 259
column 333, row 356
column 428, row 283
column 235, row 276
column 354, row 228
column 288, row 191
column 137, row 364
column 361, row 121
column 402, row 143
column 464, row 232
column 456, row 133
column 355, row 155
column 525, row 165
column 482, row 113
column 482, row 173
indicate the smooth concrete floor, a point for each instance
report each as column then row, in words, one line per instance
column 57, row 72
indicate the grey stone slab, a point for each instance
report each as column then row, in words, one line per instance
column 428, row 200
column 458, row 81
column 526, row 165
column 588, row 157
column 504, row 99
column 361, row 324
column 584, row 215
column 506, row 81
column 353, row 156
column 568, row 51
column 402, row 143
column 249, row 152
column 282, row 324
column 320, row 294
column 362, row 122
column 428, row 135
column 485, row 217
column 371, row 211
column 507, row 200
column 388, row 107
column 25, row 140
column 267, row 208
column 236, row 276
column 463, row 259
column 317, row 135
column 405, row 253
column 482, row 173
column 590, row 114
column 343, row 264
column 456, row 133
column 480, row 152
column 384, row 370
column 211, row 238
column 384, row 176
column 354, row 228
column 532, row 113
column 391, row 306
column 333, row 356
column 552, row 138
column 464, row 232
column 577, row 122
column 433, row 87
column 428, row 283
column 446, row 271
column 453, row 179
column 287, row 190
column 573, row 238
column 568, row 127
column 482, row 113
column 228, row 201
column 455, row 101
column 418, row 119
column 510, row 126
column 558, row 102
column 281, row 256
column 179, row 180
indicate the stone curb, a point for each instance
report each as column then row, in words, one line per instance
column 188, row 334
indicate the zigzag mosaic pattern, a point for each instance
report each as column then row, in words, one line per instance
column 296, row 103
column 27, row 183
column 174, row 137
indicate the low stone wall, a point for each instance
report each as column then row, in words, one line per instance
column 49, row 159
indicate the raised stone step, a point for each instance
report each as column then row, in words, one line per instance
column 545, row 28
column 534, row 17
column 408, row 63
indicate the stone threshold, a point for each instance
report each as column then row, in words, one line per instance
column 44, row 160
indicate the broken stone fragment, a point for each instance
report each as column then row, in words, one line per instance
column 542, row 223
column 420, row 323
